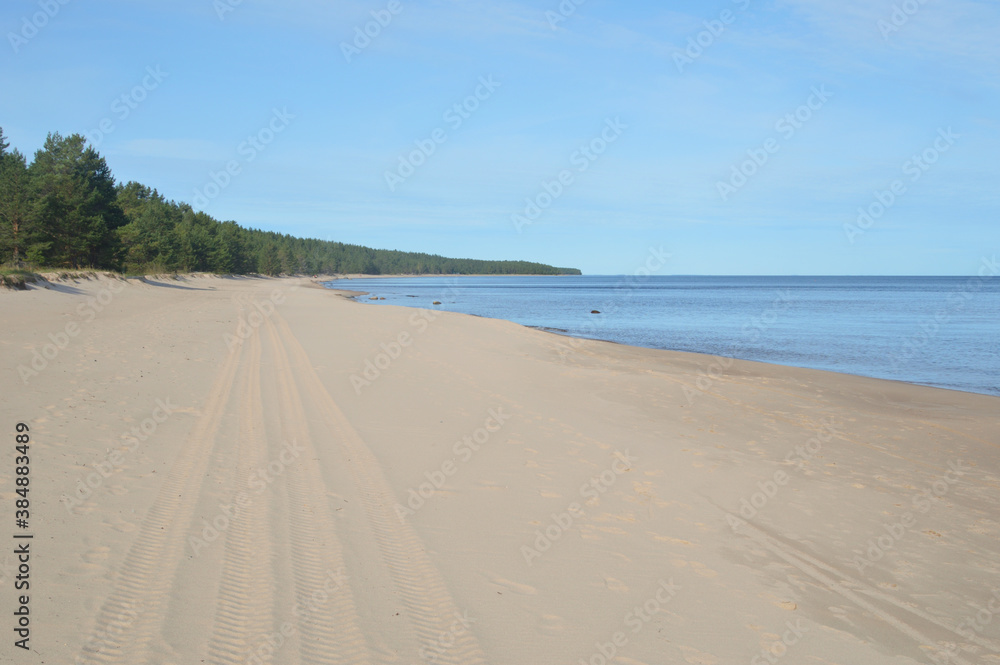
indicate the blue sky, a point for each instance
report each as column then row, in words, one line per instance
column 688, row 148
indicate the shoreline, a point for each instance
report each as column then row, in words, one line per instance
column 710, row 358
column 392, row 467
column 352, row 295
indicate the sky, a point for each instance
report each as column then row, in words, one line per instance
column 741, row 137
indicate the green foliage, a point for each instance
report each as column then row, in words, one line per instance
column 15, row 278
column 73, row 206
column 15, row 227
column 65, row 210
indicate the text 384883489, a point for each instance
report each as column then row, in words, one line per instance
column 22, row 581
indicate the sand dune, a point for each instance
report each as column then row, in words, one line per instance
column 260, row 471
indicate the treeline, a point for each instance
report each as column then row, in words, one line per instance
column 65, row 210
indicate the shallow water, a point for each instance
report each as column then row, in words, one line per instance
column 938, row 331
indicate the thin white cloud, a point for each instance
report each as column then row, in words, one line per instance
column 960, row 28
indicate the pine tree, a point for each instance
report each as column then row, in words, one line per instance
column 75, row 204
column 14, row 203
column 65, row 210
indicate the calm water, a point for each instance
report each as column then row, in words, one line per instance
column 938, row 331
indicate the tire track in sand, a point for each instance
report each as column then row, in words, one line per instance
column 430, row 607
column 245, row 600
column 850, row 589
column 328, row 628
column 128, row 628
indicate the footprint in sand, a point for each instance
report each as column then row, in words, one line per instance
column 622, row 557
column 841, row 614
column 120, row 525
column 697, row 657
column 613, row 584
column 628, row 518
column 84, row 570
column 550, row 624
column 96, row 555
column 667, row 539
column 523, row 589
column 696, row 566
column 84, row 508
column 703, row 570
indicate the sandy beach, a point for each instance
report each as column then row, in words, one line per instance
column 249, row 470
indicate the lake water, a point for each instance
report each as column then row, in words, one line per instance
column 938, row 331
